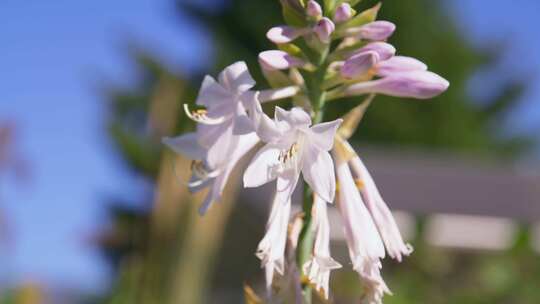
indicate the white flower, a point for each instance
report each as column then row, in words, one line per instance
column 202, row 175
column 271, row 249
column 319, row 267
column 224, row 132
column 383, row 218
column 365, row 245
column 292, row 146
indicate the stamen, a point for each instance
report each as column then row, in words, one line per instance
column 359, row 183
column 200, row 116
column 287, row 155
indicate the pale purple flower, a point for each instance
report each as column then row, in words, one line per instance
column 319, row 266
column 224, row 132
column 383, row 49
column 374, row 31
column 215, row 178
column 343, row 13
column 293, row 147
column 359, row 64
column 285, row 34
column 279, row 60
column 324, row 29
column 398, row 64
column 373, row 284
column 414, row 84
column 313, row 9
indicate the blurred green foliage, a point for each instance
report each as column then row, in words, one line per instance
column 452, row 121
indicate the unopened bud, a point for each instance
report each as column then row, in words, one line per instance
column 415, row 84
column 284, row 34
column 375, row 31
column 278, row 60
column 343, row 13
column 324, row 29
column 359, row 64
column 314, row 9
column 383, row 49
column 399, row 64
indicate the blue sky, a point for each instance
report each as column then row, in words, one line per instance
column 54, row 56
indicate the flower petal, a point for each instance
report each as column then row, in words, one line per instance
column 236, row 78
column 186, row 145
column 398, row 64
column 323, row 134
column 218, row 152
column 262, row 168
column 212, row 93
column 318, row 172
column 284, row 34
column 278, row 60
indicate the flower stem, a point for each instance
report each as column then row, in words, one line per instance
column 317, row 96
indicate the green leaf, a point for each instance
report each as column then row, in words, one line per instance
column 364, row 17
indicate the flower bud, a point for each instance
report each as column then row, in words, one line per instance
column 278, row 60
column 414, row 84
column 313, row 9
column 383, row 49
column 399, row 64
column 359, row 64
column 324, row 29
column 376, row 31
column 284, row 34
column 343, row 13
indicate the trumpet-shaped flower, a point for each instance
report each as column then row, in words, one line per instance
column 271, row 249
column 380, row 213
column 319, row 267
column 365, row 245
column 293, row 147
column 203, row 176
column 224, row 132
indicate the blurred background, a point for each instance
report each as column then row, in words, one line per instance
column 93, row 208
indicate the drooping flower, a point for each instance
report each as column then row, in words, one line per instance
column 363, row 240
column 380, row 213
column 319, row 266
column 271, row 249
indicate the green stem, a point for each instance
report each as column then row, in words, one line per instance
column 317, row 96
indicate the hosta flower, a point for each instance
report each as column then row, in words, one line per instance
column 319, row 266
column 293, row 147
column 224, row 132
column 324, row 29
column 414, row 84
column 203, row 175
column 271, row 249
column 363, row 240
column 380, row 213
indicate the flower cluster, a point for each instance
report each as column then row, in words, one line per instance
column 323, row 55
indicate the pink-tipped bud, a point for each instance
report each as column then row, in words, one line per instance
column 383, row 49
column 324, row 29
column 415, row 84
column 284, row 34
column 343, row 13
column 377, row 30
column 399, row 64
column 313, row 9
column 359, row 64
column 278, row 60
